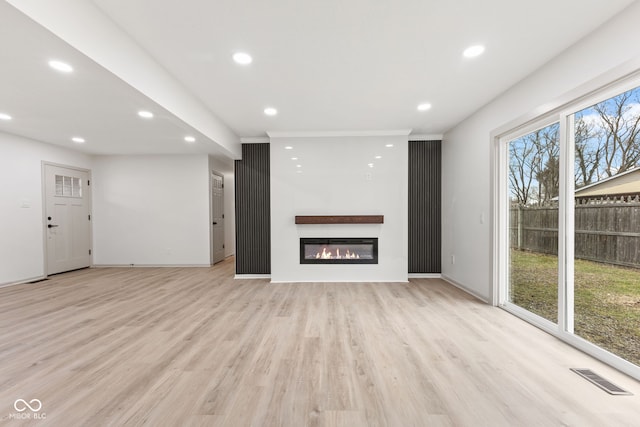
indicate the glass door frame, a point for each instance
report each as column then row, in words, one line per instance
column 501, row 220
column 564, row 115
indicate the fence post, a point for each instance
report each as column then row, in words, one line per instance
column 519, row 221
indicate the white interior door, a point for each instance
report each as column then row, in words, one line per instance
column 67, row 218
column 217, row 218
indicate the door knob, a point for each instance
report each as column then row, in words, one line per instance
column 52, row 225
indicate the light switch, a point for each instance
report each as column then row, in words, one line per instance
column 25, row 204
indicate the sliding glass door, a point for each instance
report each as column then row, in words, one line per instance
column 568, row 215
column 533, row 185
column 607, row 224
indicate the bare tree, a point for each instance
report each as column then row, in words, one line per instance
column 549, row 179
column 621, row 132
column 522, row 157
column 589, row 149
column 604, row 146
column 533, row 166
column 547, row 170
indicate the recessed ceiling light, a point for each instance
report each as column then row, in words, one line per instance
column 60, row 66
column 189, row 138
column 288, row 147
column 145, row 114
column 424, row 107
column 4, row 116
column 270, row 111
column 298, row 166
column 78, row 140
column 294, row 158
column 378, row 157
column 389, row 145
column 370, row 165
column 242, row 58
column 473, row 51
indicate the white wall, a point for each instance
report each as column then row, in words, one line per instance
column 612, row 51
column 151, row 210
column 226, row 169
column 335, row 180
column 21, row 208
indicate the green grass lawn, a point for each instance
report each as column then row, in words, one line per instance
column 607, row 299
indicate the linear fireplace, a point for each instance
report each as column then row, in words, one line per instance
column 338, row 250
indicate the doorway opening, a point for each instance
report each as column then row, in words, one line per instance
column 217, row 217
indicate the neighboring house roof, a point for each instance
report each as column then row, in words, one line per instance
column 626, row 183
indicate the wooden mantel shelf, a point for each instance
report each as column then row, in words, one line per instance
column 339, row 219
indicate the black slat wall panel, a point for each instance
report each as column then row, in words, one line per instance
column 253, row 218
column 424, row 207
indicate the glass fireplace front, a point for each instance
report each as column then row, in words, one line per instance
column 338, row 250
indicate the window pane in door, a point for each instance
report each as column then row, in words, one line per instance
column 59, row 185
column 77, row 187
column 533, row 221
column 66, row 186
column 607, row 225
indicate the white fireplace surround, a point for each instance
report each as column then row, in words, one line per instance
column 339, row 175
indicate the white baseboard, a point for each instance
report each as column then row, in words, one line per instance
column 425, row 276
column 464, row 288
column 337, row 281
column 23, row 282
column 147, row 265
column 252, row 276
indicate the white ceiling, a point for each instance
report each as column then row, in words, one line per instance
column 91, row 102
column 331, row 65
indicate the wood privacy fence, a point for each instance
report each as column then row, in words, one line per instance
column 607, row 230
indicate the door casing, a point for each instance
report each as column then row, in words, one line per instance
column 215, row 257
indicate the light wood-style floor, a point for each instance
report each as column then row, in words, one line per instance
column 194, row 347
